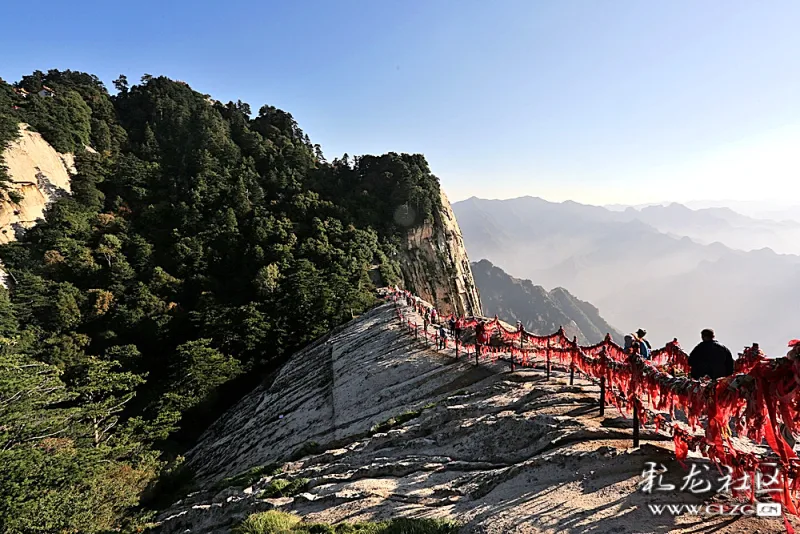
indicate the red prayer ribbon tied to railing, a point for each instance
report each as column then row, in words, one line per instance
column 762, row 395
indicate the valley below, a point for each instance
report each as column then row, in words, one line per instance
column 638, row 276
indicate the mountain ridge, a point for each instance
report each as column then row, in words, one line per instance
column 626, row 267
column 192, row 251
column 541, row 311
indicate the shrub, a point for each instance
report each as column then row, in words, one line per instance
column 174, row 482
column 271, row 522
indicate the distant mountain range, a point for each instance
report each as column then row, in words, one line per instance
column 723, row 225
column 540, row 311
column 771, row 211
column 640, row 275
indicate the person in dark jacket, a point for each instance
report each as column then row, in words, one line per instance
column 442, row 337
column 710, row 358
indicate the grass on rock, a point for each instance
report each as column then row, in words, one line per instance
column 280, row 487
column 243, row 480
column 274, row 522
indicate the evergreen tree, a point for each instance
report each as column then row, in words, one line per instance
column 200, row 248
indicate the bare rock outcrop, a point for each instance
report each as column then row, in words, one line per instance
column 39, row 174
column 436, row 267
column 331, row 392
column 500, row 452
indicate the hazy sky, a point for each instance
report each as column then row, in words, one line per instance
column 595, row 101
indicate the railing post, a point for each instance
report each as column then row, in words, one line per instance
column 572, row 361
column 548, row 358
column 635, row 421
column 416, row 330
column 603, row 382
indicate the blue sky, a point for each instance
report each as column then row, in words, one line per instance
column 594, row 101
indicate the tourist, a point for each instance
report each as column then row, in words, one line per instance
column 442, row 337
column 638, row 340
column 458, row 328
column 710, row 358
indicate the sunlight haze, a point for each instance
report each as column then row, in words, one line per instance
column 613, row 102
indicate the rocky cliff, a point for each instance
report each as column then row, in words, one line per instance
column 38, row 174
column 436, row 267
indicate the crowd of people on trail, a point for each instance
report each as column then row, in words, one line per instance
column 451, row 328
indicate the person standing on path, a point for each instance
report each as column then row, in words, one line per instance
column 442, row 338
column 643, row 344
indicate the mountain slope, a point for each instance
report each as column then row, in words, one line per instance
column 200, row 247
column 541, row 312
column 638, row 276
column 420, row 433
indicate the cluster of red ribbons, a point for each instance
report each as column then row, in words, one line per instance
column 762, row 396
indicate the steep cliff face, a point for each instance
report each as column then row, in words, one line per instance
column 436, row 267
column 38, row 174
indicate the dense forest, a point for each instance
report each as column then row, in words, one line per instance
column 200, row 247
